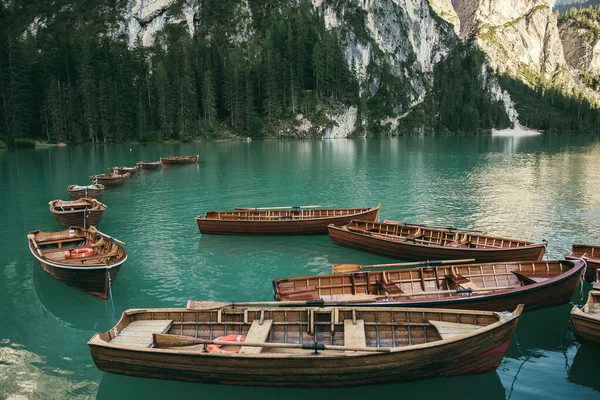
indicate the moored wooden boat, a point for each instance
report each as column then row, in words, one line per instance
column 148, row 165
column 303, row 346
column 93, row 191
column 123, row 170
column 496, row 287
column 591, row 254
column 110, row 180
column 586, row 320
column 179, row 160
column 82, row 212
column 84, row 259
column 412, row 242
column 280, row 220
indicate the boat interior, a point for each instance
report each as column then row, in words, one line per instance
column 419, row 283
column 274, row 214
column 430, row 236
column 589, row 251
column 592, row 307
column 349, row 327
column 53, row 246
column 76, row 205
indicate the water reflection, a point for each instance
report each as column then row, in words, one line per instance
column 70, row 307
column 487, row 385
column 580, row 371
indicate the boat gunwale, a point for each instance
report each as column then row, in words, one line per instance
column 527, row 244
column 55, row 210
column 502, row 320
column 78, row 268
column 283, row 218
column 474, row 296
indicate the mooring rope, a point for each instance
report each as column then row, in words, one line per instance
column 112, row 302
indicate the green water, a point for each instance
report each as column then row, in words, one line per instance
column 539, row 187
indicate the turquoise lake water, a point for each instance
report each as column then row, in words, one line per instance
column 535, row 187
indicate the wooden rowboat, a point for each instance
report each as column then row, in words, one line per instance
column 591, row 254
column 280, row 221
column 303, row 346
column 82, row 212
column 496, row 287
column 90, row 191
column 147, row 165
column 410, row 242
column 123, row 170
column 57, row 253
column 586, row 320
column 179, row 160
column 110, row 180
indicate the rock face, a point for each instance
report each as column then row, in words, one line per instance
column 145, row 18
column 519, row 37
column 582, row 47
column 344, row 124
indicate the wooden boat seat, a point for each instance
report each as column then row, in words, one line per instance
column 354, row 334
column 390, row 288
column 418, row 234
column 460, row 281
column 257, row 334
column 139, row 333
column 448, row 330
column 465, row 241
column 291, row 292
column 528, row 279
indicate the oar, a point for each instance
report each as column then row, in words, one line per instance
column 342, row 268
column 214, row 305
column 274, row 208
column 166, row 340
column 388, row 235
column 448, row 228
column 205, row 305
column 93, row 229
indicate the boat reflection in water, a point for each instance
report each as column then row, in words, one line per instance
column 126, row 387
column 71, row 307
column 581, row 371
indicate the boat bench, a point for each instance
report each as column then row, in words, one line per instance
column 354, row 333
column 139, row 333
column 390, row 288
column 257, row 333
column 290, row 292
column 528, row 279
column 461, row 281
column 448, row 330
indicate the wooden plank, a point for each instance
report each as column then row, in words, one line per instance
column 448, row 330
column 354, row 335
column 139, row 333
column 257, row 334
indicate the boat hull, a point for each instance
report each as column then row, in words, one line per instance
column 289, row 227
column 586, row 321
column 466, row 355
column 83, row 218
column 85, row 193
column 183, row 160
column 552, row 292
column 416, row 252
column 110, row 182
column 92, row 281
column 593, row 265
column 149, row 166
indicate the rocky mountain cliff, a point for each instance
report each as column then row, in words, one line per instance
column 184, row 69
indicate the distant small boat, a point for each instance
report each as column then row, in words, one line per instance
column 303, row 346
column 110, row 180
column 591, row 255
column 84, row 259
column 147, row 165
column 420, row 242
column 302, row 220
column 90, row 191
column 586, row 320
column 123, row 170
column 82, row 212
column 494, row 287
column 179, row 160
